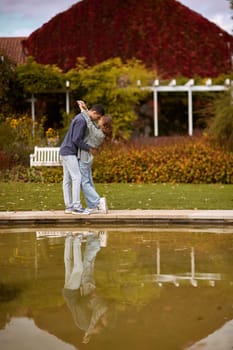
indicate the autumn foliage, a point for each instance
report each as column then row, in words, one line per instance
column 185, row 161
column 189, row 161
column 164, row 34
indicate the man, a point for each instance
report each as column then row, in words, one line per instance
column 90, row 311
column 95, row 135
column 73, row 141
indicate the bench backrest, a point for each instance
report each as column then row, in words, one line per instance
column 45, row 156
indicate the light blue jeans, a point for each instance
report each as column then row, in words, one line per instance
column 79, row 273
column 91, row 196
column 71, row 182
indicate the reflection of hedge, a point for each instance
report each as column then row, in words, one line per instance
column 187, row 162
column 190, row 162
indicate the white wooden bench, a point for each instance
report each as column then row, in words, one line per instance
column 45, row 156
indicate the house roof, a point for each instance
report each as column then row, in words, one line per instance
column 12, row 47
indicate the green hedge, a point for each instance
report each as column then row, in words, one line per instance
column 184, row 162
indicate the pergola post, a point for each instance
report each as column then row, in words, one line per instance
column 190, row 113
column 189, row 87
column 155, row 103
column 33, row 100
column 156, row 122
column 67, row 97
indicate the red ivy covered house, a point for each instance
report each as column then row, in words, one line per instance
column 164, row 34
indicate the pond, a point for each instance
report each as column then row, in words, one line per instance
column 109, row 288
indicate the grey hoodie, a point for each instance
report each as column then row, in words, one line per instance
column 94, row 136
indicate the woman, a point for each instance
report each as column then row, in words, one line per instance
column 94, row 137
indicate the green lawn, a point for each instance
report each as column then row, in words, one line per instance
column 29, row 196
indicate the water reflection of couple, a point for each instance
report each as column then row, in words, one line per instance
column 89, row 311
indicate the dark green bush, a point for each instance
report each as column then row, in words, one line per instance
column 34, row 174
column 220, row 130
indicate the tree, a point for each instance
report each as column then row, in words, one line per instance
column 7, row 84
column 39, row 78
column 114, row 84
column 43, row 82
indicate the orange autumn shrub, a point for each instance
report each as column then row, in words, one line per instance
column 186, row 161
column 190, row 162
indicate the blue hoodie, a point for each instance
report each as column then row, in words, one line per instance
column 74, row 138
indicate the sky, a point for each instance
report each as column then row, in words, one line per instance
column 22, row 17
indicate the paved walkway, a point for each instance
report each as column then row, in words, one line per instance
column 120, row 217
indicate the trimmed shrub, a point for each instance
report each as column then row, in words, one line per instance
column 188, row 160
column 34, row 174
column 185, row 162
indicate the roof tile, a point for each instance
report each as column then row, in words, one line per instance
column 12, row 47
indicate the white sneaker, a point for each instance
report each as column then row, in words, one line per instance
column 103, row 205
column 80, row 211
column 68, row 210
column 89, row 233
column 103, row 236
column 93, row 210
column 85, row 233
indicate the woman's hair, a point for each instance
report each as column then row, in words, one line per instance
column 106, row 126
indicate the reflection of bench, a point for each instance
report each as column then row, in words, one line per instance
column 45, row 156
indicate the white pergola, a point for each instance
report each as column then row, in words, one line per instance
column 189, row 87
